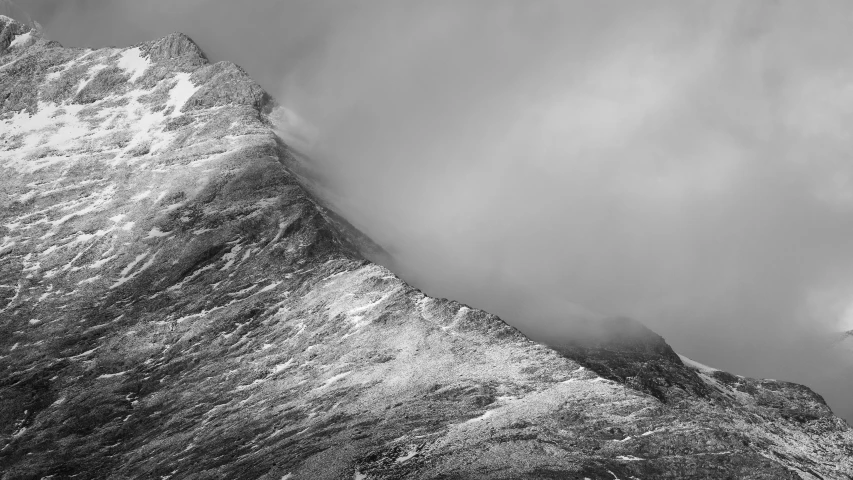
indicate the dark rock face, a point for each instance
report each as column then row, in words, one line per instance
column 627, row 352
column 173, row 304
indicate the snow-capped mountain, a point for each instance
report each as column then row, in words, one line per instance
column 173, row 304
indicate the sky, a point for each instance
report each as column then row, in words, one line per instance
column 684, row 163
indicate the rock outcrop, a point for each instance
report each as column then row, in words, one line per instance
column 173, row 304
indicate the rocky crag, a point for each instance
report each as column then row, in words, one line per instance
column 173, row 304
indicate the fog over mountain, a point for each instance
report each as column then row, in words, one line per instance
column 682, row 163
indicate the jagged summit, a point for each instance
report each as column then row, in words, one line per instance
column 624, row 350
column 16, row 35
column 9, row 11
column 174, row 304
column 176, row 46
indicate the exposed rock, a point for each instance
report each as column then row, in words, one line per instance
column 9, row 29
column 173, row 304
column 177, row 49
column 226, row 84
column 625, row 351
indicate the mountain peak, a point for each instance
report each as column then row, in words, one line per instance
column 10, row 11
column 16, row 35
column 176, row 47
column 167, row 281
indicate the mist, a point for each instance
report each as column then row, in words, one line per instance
column 681, row 163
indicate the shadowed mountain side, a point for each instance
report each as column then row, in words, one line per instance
column 312, row 181
column 174, row 305
column 625, row 351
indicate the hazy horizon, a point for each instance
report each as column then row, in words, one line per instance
column 681, row 163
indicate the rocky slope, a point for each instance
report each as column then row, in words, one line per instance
column 174, row 305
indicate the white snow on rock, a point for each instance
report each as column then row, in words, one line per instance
column 21, row 40
column 157, row 233
column 481, row 417
column 412, row 451
column 629, row 458
column 132, row 264
column 134, row 63
column 694, row 364
column 181, row 92
column 140, row 195
column 50, row 134
column 269, row 287
column 90, row 75
column 230, row 257
column 124, row 273
column 281, row 367
column 332, row 380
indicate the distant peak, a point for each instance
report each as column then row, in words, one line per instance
column 176, row 46
column 11, row 13
column 16, row 34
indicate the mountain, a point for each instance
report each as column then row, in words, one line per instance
column 10, row 10
column 174, row 304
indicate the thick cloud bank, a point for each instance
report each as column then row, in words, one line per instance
column 683, row 163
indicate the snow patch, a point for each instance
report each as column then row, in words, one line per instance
column 698, row 366
column 84, row 354
column 482, row 417
column 413, row 450
column 134, row 63
column 21, row 40
column 157, row 233
column 269, row 287
column 333, row 379
column 230, row 257
column 51, row 134
column 124, row 278
column 253, row 384
column 181, row 92
column 140, row 196
column 132, row 264
column 103, row 261
column 282, row 367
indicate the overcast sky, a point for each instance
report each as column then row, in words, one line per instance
column 683, row 163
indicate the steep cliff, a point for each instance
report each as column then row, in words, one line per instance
column 173, row 304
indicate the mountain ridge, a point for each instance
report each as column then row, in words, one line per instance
column 174, row 304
